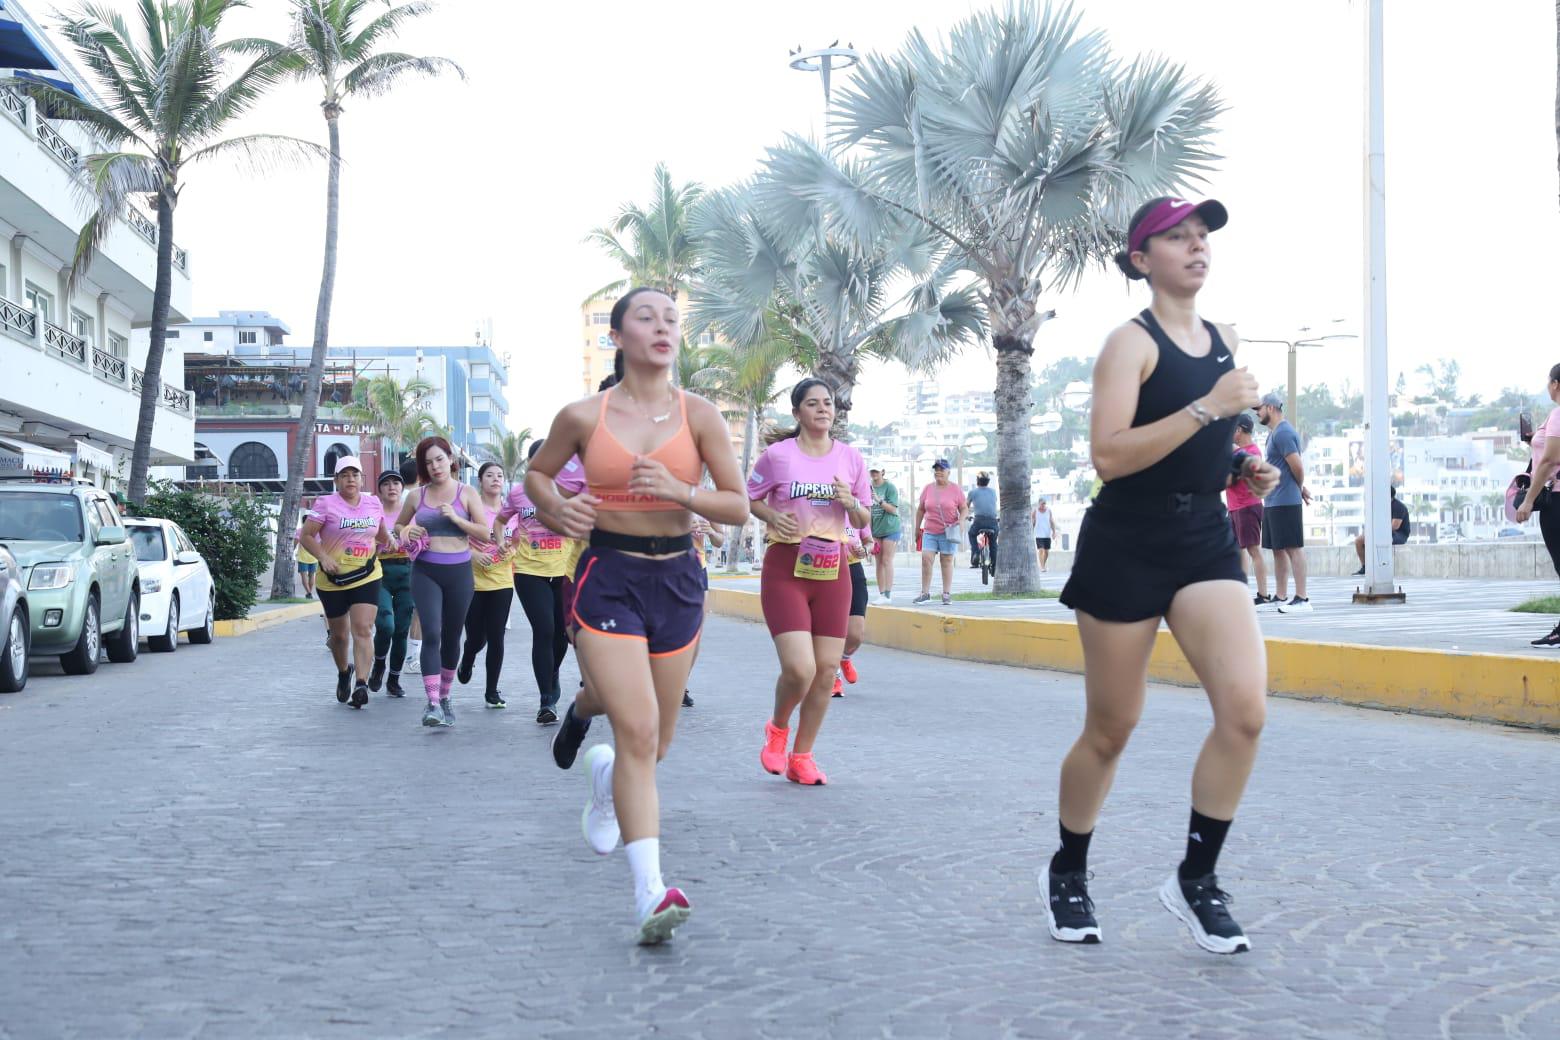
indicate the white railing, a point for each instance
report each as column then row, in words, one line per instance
column 13, row 104
column 63, row 343
column 139, row 223
column 18, row 319
column 108, row 365
column 175, row 398
column 137, row 380
column 50, row 138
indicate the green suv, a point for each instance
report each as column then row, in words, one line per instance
column 79, row 569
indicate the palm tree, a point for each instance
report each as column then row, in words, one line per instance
column 168, row 99
column 336, row 42
column 509, row 452
column 653, row 246
column 1021, row 145
column 1456, row 505
column 834, row 296
column 393, row 411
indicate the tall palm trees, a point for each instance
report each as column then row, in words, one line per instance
column 337, row 43
column 509, row 452
column 1021, row 147
column 653, row 246
column 168, row 99
column 392, row 410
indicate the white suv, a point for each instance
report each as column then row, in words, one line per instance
column 176, row 589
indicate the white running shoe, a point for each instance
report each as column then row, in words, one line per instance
column 1295, row 606
column 670, row 911
column 413, row 665
column 599, row 820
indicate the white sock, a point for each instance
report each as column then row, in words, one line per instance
column 644, row 858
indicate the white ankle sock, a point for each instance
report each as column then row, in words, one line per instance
column 644, row 858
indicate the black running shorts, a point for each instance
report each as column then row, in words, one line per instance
column 1128, row 566
column 337, row 603
column 1283, row 527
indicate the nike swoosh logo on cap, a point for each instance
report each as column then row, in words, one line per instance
column 1178, row 203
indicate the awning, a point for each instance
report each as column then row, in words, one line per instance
column 27, row 456
column 57, row 80
column 97, row 458
column 20, row 47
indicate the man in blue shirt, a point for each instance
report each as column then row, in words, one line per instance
column 983, row 514
column 1283, row 520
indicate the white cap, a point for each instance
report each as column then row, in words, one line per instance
column 349, row 462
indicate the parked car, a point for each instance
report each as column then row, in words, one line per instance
column 176, row 588
column 80, row 572
column 17, row 632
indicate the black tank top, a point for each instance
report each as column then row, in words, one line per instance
column 1200, row 465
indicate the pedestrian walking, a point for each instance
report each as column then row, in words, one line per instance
column 1537, row 495
column 1246, row 511
column 345, row 533
column 393, row 622
column 886, row 526
column 305, row 561
column 858, row 549
column 492, row 584
column 808, row 489
column 542, row 556
column 1166, row 391
column 639, row 597
column 940, row 509
column 448, row 514
column 1044, row 524
column 1283, row 514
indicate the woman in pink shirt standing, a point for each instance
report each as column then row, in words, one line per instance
column 808, row 489
column 1544, row 467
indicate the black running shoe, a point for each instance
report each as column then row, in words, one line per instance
column 376, row 677
column 687, row 700
column 463, row 673
column 1069, row 912
column 566, row 742
column 393, row 686
column 360, row 695
column 1552, row 639
column 343, row 686
column 1205, row 909
column 495, row 700
column 546, row 717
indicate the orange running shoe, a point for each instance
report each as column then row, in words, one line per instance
column 848, row 669
column 772, row 758
column 801, row 769
column 839, row 686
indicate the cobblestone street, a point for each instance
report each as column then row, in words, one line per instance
column 207, row 844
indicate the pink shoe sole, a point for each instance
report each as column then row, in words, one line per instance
column 665, row 919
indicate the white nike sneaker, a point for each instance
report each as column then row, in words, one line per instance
column 1295, row 606
column 599, row 820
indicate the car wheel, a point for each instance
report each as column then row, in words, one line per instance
column 82, row 659
column 126, row 643
column 168, row 642
column 207, row 632
column 13, row 655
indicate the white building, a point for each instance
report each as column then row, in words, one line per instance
column 70, row 377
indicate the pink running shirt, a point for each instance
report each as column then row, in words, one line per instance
column 347, row 534
column 1550, row 428
column 788, row 481
column 1238, row 495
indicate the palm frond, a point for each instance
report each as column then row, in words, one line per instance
column 260, row 153
column 377, row 75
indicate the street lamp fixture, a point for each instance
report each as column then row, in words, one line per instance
column 825, row 61
column 1293, row 346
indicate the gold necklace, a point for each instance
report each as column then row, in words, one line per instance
column 645, row 412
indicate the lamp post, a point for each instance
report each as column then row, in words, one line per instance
column 825, row 61
column 1291, row 409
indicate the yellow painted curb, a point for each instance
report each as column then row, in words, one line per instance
column 267, row 618
column 1522, row 691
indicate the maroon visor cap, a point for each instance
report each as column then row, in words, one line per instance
column 1171, row 212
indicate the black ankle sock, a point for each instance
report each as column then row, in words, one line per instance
column 1204, row 839
column 1074, row 853
column 343, row 673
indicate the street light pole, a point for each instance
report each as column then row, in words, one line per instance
column 825, row 61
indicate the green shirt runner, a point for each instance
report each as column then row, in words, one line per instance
column 884, row 524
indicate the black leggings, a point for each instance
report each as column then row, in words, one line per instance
column 1549, row 527
column 485, row 623
column 542, row 601
column 442, row 593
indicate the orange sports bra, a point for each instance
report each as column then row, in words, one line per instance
column 608, row 465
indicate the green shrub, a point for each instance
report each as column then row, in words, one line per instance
column 231, row 533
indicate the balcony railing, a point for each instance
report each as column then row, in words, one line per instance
column 63, row 343
column 178, row 400
column 108, row 365
column 18, row 319
column 14, row 105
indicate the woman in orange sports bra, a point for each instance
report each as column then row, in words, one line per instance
column 639, row 593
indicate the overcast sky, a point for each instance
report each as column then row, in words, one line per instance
column 463, row 202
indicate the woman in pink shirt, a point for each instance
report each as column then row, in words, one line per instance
column 1544, row 468
column 808, row 489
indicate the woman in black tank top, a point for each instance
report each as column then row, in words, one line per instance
column 1157, row 544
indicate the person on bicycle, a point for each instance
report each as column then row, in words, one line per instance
column 983, row 511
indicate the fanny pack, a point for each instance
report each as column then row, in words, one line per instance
column 356, row 574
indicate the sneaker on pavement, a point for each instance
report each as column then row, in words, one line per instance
column 463, row 670
column 393, row 686
column 1295, row 606
column 566, row 742
column 839, row 685
column 1552, row 639
column 546, row 717
column 446, row 711
column 343, row 686
column 376, row 678
column 1262, row 600
column 1360, row 572
column 1069, row 912
column 801, row 769
column 687, row 700
column 925, row 597
column 599, row 820
column 947, row 599
column 1270, row 605
column 432, row 716
column 359, row 695
column 772, row 758
column 665, row 918
column 848, row 669
column 413, row 665
column 1204, row 908
column 494, row 700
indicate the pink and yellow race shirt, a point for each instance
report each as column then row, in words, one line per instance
column 788, row 481
column 539, row 551
column 347, row 534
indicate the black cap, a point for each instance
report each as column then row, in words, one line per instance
column 388, row 475
column 1245, row 423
